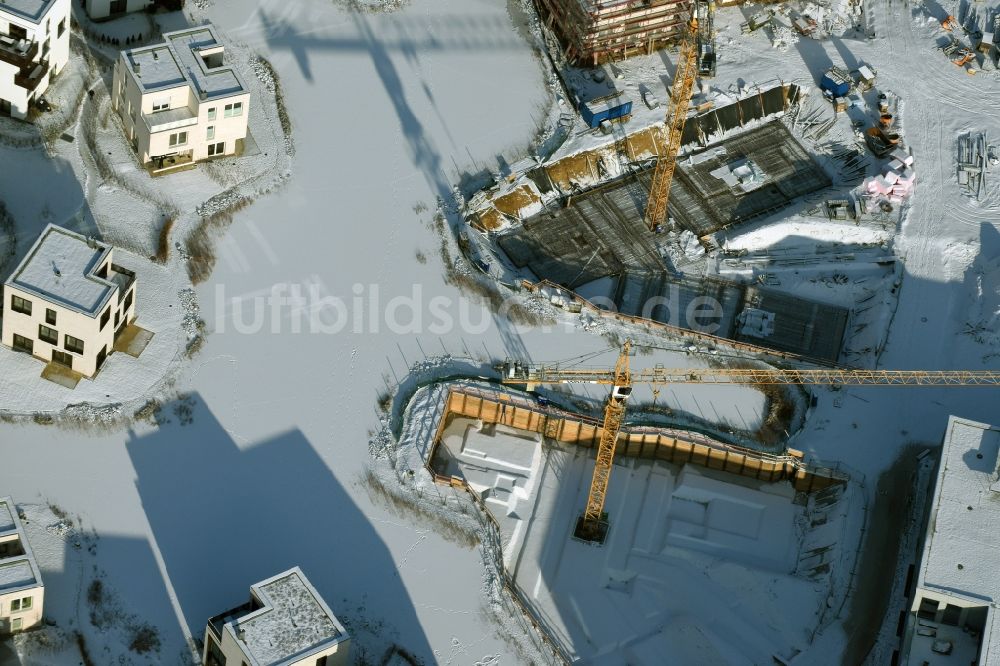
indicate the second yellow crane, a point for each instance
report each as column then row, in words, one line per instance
column 680, row 95
column 593, row 524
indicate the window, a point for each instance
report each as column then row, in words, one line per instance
column 179, row 139
column 50, row 316
column 105, row 317
column 26, row 603
column 72, row 344
column 210, row 132
column 212, row 113
column 161, row 105
column 49, row 335
column 62, row 358
column 24, row 344
column 61, row 29
column 45, row 48
column 128, row 302
column 20, row 604
column 321, row 661
column 48, row 26
column 217, row 148
column 15, row 624
column 234, row 110
column 18, row 304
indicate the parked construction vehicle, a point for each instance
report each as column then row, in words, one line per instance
column 593, row 524
column 949, row 23
column 959, row 54
column 680, row 95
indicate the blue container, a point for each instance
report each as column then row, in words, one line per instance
column 609, row 107
column 836, row 83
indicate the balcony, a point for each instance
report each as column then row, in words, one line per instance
column 161, row 121
column 122, row 277
column 216, row 623
column 18, row 52
column 32, row 75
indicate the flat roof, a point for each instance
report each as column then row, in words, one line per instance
column 962, row 550
column 60, row 268
column 294, row 621
column 178, row 61
column 18, row 571
column 33, row 10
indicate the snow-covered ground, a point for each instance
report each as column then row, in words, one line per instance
column 261, row 465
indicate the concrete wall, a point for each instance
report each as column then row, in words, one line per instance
column 69, row 322
column 655, row 444
column 29, row 618
column 46, row 33
column 98, row 9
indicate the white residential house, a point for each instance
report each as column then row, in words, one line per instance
column 21, row 589
column 68, row 302
column 955, row 613
column 179, row 101
column 100, row 9
column 285, row 623
column 34, row 47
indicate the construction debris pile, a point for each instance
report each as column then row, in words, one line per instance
column 896, row 183
column 974, row 158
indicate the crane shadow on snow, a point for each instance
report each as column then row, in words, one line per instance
column 401, row 34
column 226, row 516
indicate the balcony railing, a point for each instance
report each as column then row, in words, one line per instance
column 122, row 277
column 216, row 623
column 32, row 75
column 17, row 52
column 161, row 121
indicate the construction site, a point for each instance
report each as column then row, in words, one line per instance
column 688, row 512
column 611, row 332
column 753, row 228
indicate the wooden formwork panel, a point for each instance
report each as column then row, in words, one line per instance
column 579, row 431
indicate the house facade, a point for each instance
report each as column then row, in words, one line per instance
column 285, row 623
column 68, row 302
column 954, row 617
column 34, row 47
column 101, row 9
column 180, row 101
column 21, row 591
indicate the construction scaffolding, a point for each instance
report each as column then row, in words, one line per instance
column 597, row 31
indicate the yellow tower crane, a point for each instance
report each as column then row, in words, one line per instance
column 592, row 524
column 680, row 94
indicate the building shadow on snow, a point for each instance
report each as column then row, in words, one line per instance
column 225, row 517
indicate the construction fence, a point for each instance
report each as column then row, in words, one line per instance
column 670, row 446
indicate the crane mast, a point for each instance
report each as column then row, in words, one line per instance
column 680, row 93
column 593, row 524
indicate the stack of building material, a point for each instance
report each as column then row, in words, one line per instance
column 896, row 183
